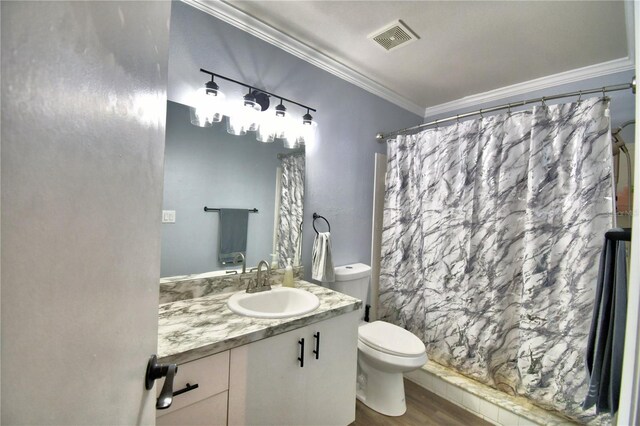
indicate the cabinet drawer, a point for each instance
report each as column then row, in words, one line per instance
column 209, row 411
column 210, row 373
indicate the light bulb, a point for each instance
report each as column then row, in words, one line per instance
column 208, row 107
column 242, row 117
column 266, row 132
column 307, row 132
column 236, row 123
column 252, row 111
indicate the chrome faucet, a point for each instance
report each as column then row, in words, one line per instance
column 261, row 283
column 235, row 260
column 244, row 263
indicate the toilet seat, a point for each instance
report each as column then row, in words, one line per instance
column 390, row 339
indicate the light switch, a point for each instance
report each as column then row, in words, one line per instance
column 168, row 216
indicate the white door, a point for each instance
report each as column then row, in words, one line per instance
column 83, row 101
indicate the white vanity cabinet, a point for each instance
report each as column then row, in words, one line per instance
column 205, row 404
column 275, row 382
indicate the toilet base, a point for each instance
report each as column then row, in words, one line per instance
column 381, row 391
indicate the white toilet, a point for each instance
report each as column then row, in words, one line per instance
column 385, row 351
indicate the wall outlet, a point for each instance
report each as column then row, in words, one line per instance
column 168, row 216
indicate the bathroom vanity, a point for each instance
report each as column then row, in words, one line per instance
column 297, row 370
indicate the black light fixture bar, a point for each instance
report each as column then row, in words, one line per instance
column 256, row 88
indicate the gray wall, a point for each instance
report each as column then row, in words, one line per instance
column 208, row 166
column 340, row 165
column 83, row 99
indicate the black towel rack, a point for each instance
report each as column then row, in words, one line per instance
column 317, row 216
column 207, row 209
column 618, row 235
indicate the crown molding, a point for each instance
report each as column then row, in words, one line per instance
column 572, row 76
column 230, row 14
column 591, row 71
column 239, row 19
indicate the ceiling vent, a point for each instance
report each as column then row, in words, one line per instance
column 394, row 35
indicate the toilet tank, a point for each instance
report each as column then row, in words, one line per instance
column 353, row 280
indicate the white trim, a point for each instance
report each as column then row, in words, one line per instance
column 630, row 385
column 591, row 71
column 254, row 26
column 239, row 19
column 380, row 170
column 629, row 14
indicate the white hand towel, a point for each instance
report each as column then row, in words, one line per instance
column 322, row 263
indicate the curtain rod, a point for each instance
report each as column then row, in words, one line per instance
column 382, row 137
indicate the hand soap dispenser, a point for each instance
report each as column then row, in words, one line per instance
column 274, row 261
column 287, row 281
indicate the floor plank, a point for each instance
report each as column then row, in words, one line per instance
column 423, row 408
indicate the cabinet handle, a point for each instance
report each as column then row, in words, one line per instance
column 301, row 357
column 317, row 349
column 187, row 388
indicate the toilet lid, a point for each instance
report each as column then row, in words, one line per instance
column 390, row 339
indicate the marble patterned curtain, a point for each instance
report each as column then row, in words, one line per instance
column 289, row 235
column 491, row 237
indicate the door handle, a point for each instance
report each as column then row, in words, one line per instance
column 156, row 371
column 317, row 349
column 301, row 357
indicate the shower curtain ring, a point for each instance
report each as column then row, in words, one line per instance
column 543, row 102
column 481, row 116
column 579, row 95
column 509, row 109
column 458, row 118
column 604, row 96
column 436, row 123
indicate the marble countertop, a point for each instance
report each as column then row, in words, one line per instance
column 196, row 328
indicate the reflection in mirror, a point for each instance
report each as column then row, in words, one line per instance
column 291, row 198
column 206, row 166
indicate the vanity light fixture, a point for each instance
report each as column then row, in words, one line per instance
column 249, row 114
column 281, row 110
column 208, row 105
column 243, row 116
column 281, row 122
column 307, row 132
column 307, row 119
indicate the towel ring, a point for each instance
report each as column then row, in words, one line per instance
column 317, row 216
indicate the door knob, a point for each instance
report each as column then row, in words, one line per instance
column 156, row 371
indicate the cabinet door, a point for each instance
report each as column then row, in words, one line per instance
column 211, row 374
column 209, row 411
column 331, row 379
column 266, row 382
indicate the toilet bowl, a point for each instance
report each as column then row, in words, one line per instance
column 385, row 351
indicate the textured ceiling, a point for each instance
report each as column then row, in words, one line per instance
column 465, row 47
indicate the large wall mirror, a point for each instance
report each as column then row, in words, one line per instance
column 206, row 166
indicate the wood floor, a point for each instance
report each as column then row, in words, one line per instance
column 423, row 408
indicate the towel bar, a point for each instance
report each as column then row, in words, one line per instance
column 617, row 235
column 207, row 209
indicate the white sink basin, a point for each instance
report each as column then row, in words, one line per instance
column 279, row 302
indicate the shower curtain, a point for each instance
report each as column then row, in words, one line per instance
column 491, row 235
column 289, row 234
